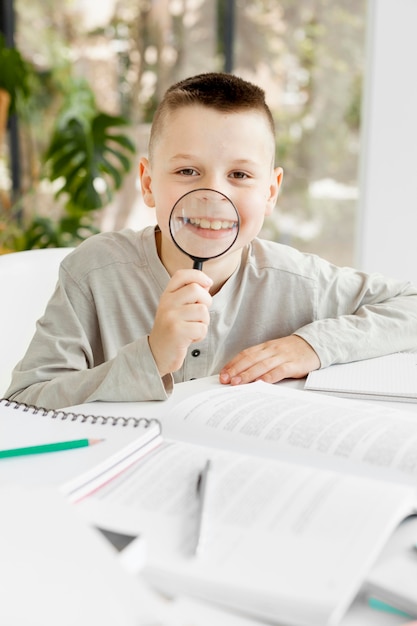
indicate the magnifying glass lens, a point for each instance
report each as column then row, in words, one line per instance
column 204, row 224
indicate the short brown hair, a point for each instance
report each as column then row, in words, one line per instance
column 221, row 91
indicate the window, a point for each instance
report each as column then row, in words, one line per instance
column 308, row 56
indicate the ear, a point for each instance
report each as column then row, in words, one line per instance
column 276, row 181
column 145, row 178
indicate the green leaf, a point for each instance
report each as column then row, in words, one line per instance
column 110, row 169
column 85, row 146
column 15, row 74
column 123, row 141
column 124, row 161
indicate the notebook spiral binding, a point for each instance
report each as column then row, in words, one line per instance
column 59, row 414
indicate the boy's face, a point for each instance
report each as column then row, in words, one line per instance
column 232, row 153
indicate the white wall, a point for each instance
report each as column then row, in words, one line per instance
column 387, row 237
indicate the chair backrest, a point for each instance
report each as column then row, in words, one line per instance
column 27, row 281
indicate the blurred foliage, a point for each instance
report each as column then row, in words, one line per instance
column 85, row 160
column 14, row 75
column 307, row 56
column 86, row 153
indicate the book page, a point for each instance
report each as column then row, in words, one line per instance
column 282, row 541
column 393, row 376
column 277, row 422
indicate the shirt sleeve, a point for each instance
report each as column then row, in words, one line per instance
column 360, row 316
column 65, row 365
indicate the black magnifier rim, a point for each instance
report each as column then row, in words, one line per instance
column 214, row 256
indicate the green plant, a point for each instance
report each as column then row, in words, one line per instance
column 86, row 160
column 86, row 154
column 14, row 75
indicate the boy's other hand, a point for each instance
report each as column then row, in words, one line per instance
column 272, row 361
column 182, row 318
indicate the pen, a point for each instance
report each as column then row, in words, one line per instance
column 48, row 447
column 379, row 605
column 202, row 486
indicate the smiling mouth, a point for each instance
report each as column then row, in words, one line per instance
column 206, row 224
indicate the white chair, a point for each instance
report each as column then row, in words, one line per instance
column 27, row 280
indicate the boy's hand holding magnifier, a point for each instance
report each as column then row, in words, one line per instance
column 204, row 224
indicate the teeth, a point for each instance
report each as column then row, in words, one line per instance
column 213, row 225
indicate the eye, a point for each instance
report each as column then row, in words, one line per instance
column 187, row 171
column 239, row 175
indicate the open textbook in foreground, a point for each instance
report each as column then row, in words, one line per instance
column 390, row 377
column 306, row 491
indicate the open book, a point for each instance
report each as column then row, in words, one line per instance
column 306, row 491
column 390, row 377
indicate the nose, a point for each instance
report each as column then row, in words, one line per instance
column 215, row 181
column 214, row 203
column 212, row 195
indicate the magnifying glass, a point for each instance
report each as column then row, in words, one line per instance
column 204, row 224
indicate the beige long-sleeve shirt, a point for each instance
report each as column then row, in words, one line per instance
column 92, row 342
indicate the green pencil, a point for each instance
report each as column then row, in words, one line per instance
column 49, row 447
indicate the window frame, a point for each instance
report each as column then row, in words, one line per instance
column 387, row 215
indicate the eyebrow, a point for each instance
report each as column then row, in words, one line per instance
column 235, row 162
column 183, row 157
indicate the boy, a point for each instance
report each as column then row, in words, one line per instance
column 130, row 316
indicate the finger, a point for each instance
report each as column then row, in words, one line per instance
column 267, row 371
column 196, row 313
column 176, row 323
column 288, row 357
column 244, row 360
column 186, row 295
column 288, row 369
column 264, row 369
column 182, row 278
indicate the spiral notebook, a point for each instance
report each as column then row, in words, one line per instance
column 78, row 472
